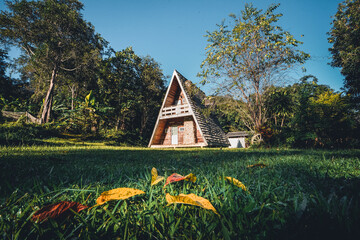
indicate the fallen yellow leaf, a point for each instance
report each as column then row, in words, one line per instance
column 117, row 194
column 155, row 179
column 236, row 183
column 191, row 199
column 190, row 177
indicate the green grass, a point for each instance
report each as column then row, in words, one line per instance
column 301, row 194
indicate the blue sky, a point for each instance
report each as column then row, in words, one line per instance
column 172, row 31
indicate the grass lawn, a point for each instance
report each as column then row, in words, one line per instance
column 300, row 194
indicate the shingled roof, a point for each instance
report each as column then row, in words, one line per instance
column 213, row 134
column 237, row 134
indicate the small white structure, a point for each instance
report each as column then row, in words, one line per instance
column 237, row 139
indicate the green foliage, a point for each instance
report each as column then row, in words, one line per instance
column 134, row 88
column 19, row 104
column 245, row 59
column 345, row 50
column 226, row 110
column 56, row 43
column 4, row 80
column 119, row 84
column 115, row 137
column 128, row 96
column 84, row 119
column 323, row 118
column 299, row 195
column 25, row 133
column 281, row 104
column 310, row 115
column 13, row 94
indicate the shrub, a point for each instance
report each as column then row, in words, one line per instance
column 15, row 133
column 122, row 138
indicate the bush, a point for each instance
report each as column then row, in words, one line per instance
column 25, row 133
column 122, row 138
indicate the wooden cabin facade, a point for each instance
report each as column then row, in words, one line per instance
column 180, row 122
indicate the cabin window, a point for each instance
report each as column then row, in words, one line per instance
column 181, row 129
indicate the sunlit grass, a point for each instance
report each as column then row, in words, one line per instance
column 299, row 194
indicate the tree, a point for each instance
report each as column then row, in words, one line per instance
column 133, row 87
column 55, row 41
column 307, row 114
column 119, row 83
column 345, row 50
column 248, row 58
column 224, row 110
column 4, row 80
column 322, row 118
column 152, row 91
column 280, row 104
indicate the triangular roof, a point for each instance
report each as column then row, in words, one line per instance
column 212, row 134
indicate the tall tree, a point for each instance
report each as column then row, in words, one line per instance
column 345, row 35
column 133, row 86
column 151, row 92
column 119, row 83
column 54, row 39
column 246, row 58
column 4, row 80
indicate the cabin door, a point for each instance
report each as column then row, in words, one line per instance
column 174, row 135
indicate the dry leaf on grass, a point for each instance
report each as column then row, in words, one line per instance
column 117, row 194
column 236, row 183
column 177, row 177
column 56, row 210
column 191, row 199
column 155, row 179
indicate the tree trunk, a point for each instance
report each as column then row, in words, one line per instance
column 122, row 125
column 144, row 120
column 282, row 121
column 48, row 115
column 275, row 120
column 45, row 115
column 73, row 91
column 117, row 124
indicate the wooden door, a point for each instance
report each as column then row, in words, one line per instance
column 174, row 135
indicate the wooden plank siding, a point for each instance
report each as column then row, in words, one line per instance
column 182, row 110
column 163, row 132
column 174, row 95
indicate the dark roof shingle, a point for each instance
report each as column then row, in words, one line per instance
column 213, row 134
column 237, row 134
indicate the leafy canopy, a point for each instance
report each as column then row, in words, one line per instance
column 345, row 35
column 246, row 58
column 55, row 40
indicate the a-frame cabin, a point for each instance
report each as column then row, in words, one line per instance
column 180, row 122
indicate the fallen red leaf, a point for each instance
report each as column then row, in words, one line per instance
column 174, row 178
column 57, row 209
column 177, row 177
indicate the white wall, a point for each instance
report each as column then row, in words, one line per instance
column 238, row 142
